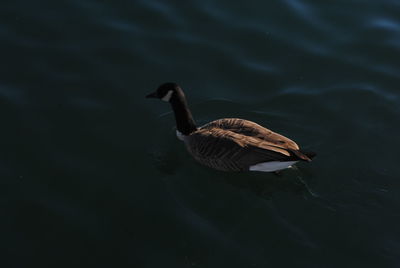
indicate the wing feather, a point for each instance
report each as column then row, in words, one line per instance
column 251, row 129
column 227, row 150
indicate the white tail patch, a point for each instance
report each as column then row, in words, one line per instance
column 271, row 166
column 167, row 96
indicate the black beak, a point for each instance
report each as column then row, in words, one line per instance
column 152, row 95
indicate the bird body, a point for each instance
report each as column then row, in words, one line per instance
column 230, row 144
column 233, row 144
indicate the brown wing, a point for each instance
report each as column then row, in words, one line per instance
column 230, row 151
column 251, row 129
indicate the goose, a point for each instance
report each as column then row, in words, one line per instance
column 230, row 144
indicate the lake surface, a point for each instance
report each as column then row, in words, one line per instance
column 92, row 174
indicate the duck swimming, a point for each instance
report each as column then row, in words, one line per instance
column 230, row 144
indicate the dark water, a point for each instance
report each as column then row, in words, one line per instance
column 92, row 174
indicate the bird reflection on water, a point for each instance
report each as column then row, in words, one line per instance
column 169, row 161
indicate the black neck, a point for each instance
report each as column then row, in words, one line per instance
column 183, row 117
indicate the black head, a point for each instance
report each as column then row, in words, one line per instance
column 165, row 92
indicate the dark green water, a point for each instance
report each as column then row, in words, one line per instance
column 92, row 174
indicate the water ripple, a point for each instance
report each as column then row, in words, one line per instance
column 386, row 24
column 14, row 95
column 258, row 66
column 163, row 9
